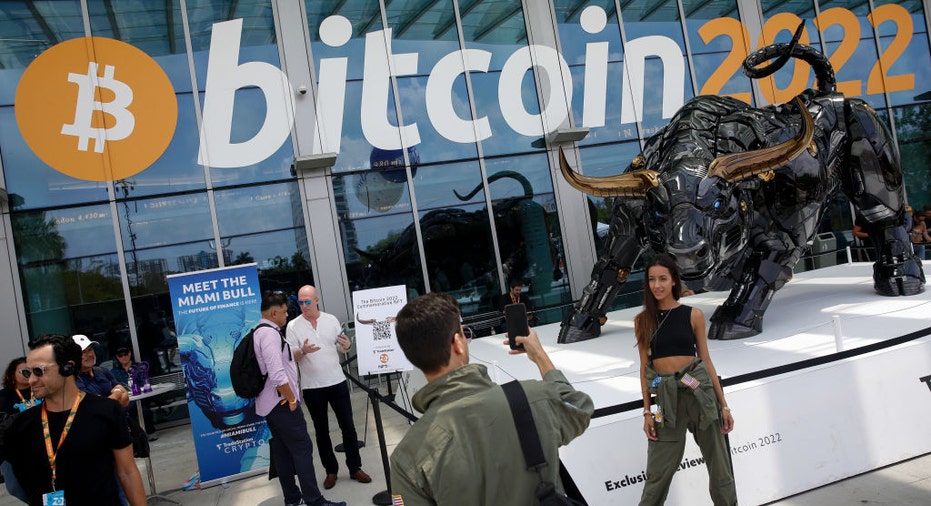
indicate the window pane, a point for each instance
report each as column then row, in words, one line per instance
column 719, row 44
column 527, row 225
column 154, row 26
column 606, row 83
column 457, row 239
column 259, row 208
column 30, row 182
column 161, row 221
column 498, row 27
column 914, row 134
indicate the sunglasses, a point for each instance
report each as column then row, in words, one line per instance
column 468, row 334
column 305, row 302
column 38, row 371
column 122, row 354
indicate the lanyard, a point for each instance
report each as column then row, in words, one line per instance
column 53, row 452
column 27, row 404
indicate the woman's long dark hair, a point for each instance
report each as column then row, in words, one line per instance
column 9, row 380
column 645, row 321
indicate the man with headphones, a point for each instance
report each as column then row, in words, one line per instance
column 73, row 447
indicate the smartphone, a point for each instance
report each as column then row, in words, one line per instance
column 515, row 317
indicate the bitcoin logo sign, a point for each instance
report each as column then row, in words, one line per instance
column 96, row 109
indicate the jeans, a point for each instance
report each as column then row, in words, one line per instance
column 293, row 453
column 337, row 396
column 12, row 484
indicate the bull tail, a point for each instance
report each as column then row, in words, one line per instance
column 509, row 174
column 824, row 72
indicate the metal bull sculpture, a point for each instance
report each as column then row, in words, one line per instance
column 735, row 194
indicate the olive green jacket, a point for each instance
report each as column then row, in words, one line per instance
column 465, row 450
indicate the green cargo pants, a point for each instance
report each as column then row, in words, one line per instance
column 665, row 455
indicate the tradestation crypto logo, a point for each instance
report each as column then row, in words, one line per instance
column 96, row 109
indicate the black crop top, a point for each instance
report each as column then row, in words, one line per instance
column 674, row 336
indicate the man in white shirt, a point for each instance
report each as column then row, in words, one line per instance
column 279, row 402
column 317, row 340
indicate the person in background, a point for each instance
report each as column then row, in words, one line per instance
column 292, row 452
column 515, row 295
column 919, row 234
column 15, row 398
column 74, row 448
column 97, row 380
column 465, row 449
column 121, row 371
column 675, row 366
column 317, row 339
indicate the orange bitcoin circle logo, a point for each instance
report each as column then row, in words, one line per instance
column 96, row 109
column 383, row 358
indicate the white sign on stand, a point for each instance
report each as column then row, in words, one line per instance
column 376, row 343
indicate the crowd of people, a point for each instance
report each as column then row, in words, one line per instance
column 66, row 431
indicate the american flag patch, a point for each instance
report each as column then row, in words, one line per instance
column 396, row 500
column 689, row 381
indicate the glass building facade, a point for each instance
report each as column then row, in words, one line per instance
column 419, row 142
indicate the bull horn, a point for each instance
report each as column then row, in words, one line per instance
column 739, row 166
column 363, row 322
column 629, row 184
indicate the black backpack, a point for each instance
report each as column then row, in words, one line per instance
column 245, row 374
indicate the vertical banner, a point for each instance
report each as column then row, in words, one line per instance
column 376, row 343
column 213, row 310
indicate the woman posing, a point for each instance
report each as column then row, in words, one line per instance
column 676, row 367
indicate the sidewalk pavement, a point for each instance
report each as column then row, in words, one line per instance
column 174, row 461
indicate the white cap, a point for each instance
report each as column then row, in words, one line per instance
column 83, row 341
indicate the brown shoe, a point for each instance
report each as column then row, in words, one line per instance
column 330, row 481
column 361, row 477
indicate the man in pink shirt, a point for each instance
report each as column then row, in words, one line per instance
column 279, row 402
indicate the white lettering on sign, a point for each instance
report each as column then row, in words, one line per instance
column 225, row 75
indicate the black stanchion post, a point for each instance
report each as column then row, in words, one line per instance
column 382, row 498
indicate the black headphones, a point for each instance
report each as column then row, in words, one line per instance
column 66, row 369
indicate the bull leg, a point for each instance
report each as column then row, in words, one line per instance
column 872, row 180
column 741, row 315
column 897, row 271
column 610, row 272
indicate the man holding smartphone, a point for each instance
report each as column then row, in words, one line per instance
column 466, row 429
column 317, row 340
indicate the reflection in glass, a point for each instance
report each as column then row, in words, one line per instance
column 527, row 227
column 31, row 183
column 160, row 221
column 460, row 255
column 914, row 135
column 253, row 209
column 150, row 25
column 382, row 251
column 457, row 240
column 258, row 27
column 282, row 256
column 29, row 28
